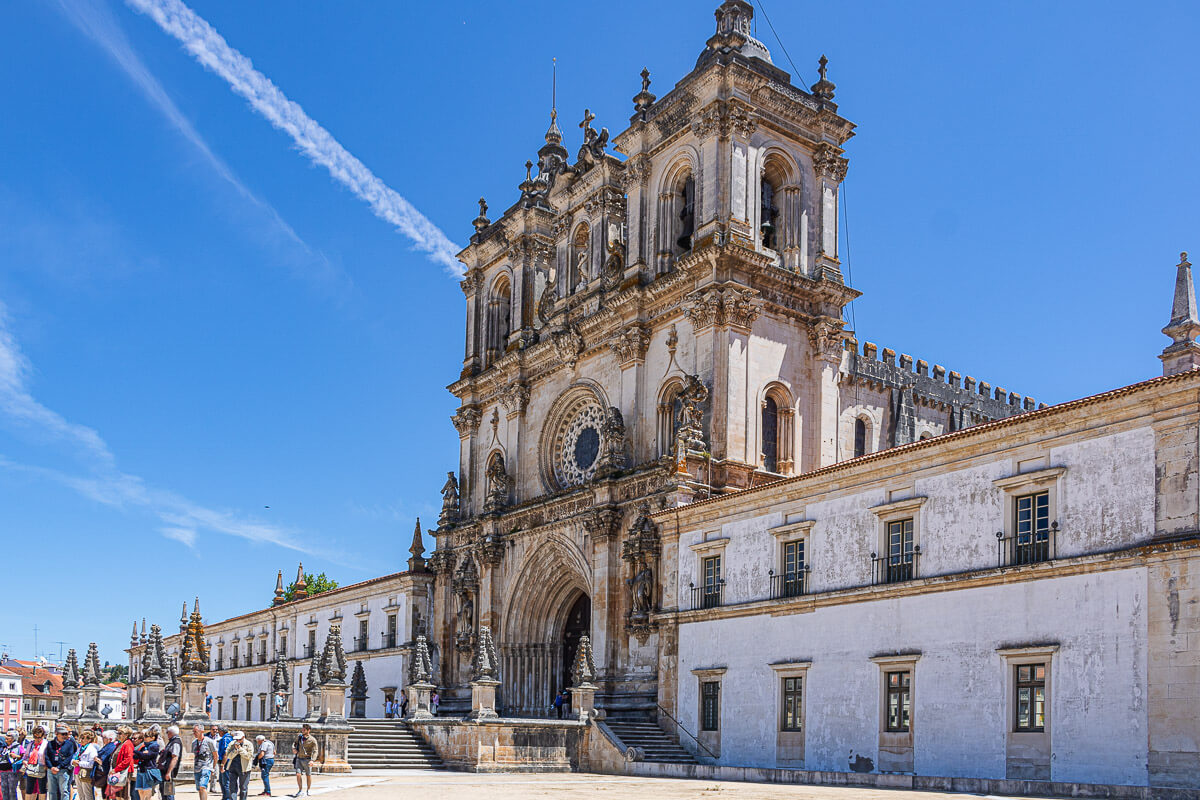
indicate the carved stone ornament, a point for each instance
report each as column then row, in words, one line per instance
column 471, row 282
column 568, row 346
column 612, row 444
column 641, row 550
column 830, row 163
column 281, row 678
column 545, row 305
column 466, row 420
column 602, row 524
column 732, row 306
column 491, row 549
column 515, row 398
column 631, row 344
column 584, row 670
column 485, row 665
column 358, row 682
column 153, row 659
column 827, row 339
column 725, row 118
column 637, row 173
column 314, row 674
column 420, row 668
column 193, row 655
column 91, row 667
column 333, row 659
column 70, row 673
column 450, row 501
column 442, row 562
column 499, row 484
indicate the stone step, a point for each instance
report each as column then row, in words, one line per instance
column 653, row 741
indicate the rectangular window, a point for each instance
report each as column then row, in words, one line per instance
column 283, row 645
column 233, row 701
column 899, row 565
column 312, row 643
column 1032, row 514
column 390, row 636
column 710, row 705
column 41, row 706
column 792, row 584
column 53, row 706
column 234, row 661
column 28, row 707
column 1031, row 698
column 248, row 707
column 262, row 707
column 793, row 696
column 711, row 570
column 899, row 701
column 362, row 635
column 220, row 658
column 220, row 708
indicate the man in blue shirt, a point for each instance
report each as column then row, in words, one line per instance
column 59, row 752
column 224, row 742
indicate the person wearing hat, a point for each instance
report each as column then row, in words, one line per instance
column 238, row 756
column 59, row 753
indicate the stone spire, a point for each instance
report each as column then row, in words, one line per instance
column 153, row 667
column 734, row 27
column 183, row 618
column 172, row 675
column 70, row 674
column 314, row 673
column 417, row 562
column 485, row 665
column 301, row 591
column 281, row 679
column 420, row 670
column 279, row 599
column 358, row 683
column 91, row 666
column 193, row 656
column 644, row 99
column 143, row 637
column 333, row 660
column 584, row 671
column 1183, row 354
column 133, row 637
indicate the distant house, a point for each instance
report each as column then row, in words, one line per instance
column 41, row 694
column 10, row 699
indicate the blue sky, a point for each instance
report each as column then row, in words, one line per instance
column 199, row 323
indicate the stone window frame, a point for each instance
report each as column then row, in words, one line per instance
column 901, row 662
column 897, row 511
column 798, row 531
column 709, row 675
column 1013, row 657
column 1046, row 479
column 791, row 669
column 706, row 549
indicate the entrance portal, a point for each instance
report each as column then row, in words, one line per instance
column 579, row 622
column 533, row 672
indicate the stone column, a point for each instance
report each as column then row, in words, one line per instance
column 153, row 692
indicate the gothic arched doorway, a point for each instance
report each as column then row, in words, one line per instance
column 579, row 622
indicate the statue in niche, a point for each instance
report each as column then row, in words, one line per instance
column 464, row 635
column 450, row 502
column 581, row 269
column 498, row 484
column 642, row 590
column 612, row 437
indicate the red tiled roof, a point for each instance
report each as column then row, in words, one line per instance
column 33, row 678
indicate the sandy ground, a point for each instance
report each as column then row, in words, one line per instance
column 403, row 784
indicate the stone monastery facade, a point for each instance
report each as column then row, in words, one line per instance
column 789, row 547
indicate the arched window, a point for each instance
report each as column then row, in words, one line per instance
column 781, row 219
column 770, row 435
column 776, row 431
column 768, row 213
column 686, row 201
column 669, row 408
column 580, row 258
column 499, row 318
column 860, row 437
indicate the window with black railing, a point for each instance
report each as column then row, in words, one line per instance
column 360, row 643
column 789, row 584
column 901, row 560
column 710, row 595
column 308, row 650
column 389, row 639
column 1034, row 537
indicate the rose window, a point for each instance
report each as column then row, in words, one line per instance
column 577, row 445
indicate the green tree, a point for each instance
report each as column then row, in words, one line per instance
column 116, row 672
column 314, row 583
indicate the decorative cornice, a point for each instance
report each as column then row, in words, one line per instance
column 829, row 162
column 631, row 344
column 515, row 398
column 734, row 306
column 466, row 420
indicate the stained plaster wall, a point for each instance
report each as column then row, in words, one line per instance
column 960, row 716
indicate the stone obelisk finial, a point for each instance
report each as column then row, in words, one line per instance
column 279, row 598
column 1183, row 354
column 417, row 562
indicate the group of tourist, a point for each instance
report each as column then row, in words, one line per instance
column 99, row 764
column 90, row 764
column 224, row 759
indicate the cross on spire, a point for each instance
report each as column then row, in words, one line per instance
column 588, row 116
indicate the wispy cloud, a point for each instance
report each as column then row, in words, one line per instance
column 181, row 519
column 95, row 20
column 211, row 50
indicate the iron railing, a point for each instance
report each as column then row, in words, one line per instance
column 681, row 727
column 389, row 640
column 710, row 595
column 360, row 643
column 789, row 584
column 1027, row 548
column 218, row 664
column 896, row 568
column 308, row 651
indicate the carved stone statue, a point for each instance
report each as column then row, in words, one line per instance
column 612, row 455
column 642, row 590
column 498, row 483
column 450, row 501
column 466, row 615
column 614, row 265
column 545, row 306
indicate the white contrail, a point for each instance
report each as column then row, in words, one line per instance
column 96, row 22
column 213, row 52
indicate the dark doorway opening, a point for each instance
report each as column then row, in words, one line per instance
column 579, row 622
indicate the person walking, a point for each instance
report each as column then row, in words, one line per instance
column 238, row 756
column 100, row 769
column 435, row 701
column 305, row 750
column 83, row 763
column 33, row 764
column 145, row 753
column 204, row 760
column 168, row 761
column 59, row 753
column 403, row 705
column 265, row 758
column 558, row 704
column 10, row 763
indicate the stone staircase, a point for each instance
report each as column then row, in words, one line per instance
column 389, row 744
column 651, row 740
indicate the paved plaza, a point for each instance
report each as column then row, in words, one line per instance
column 395, row 785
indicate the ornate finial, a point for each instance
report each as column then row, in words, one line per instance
column 153, row 658
column 420, row 669
column 358, row 682
column 485, row 665
column 482, row 220
column 143, row 636
column 333, row 660
column 417, row 562
column 70, row 673
column 823, row 89
column 588, row 116
column 584, row 671
column 193, row 654
column 133, row 637
column 279, row 598
column 300, row 590
column 644, row 99
column 1183, row 354
column 196, row 608
column 183, row 618
column 528, row 170
column 314, row 673
column 281, row 680
column 553, row 134
column 91, row 666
